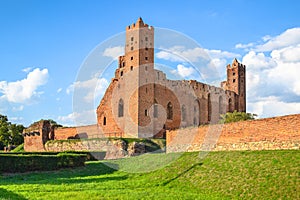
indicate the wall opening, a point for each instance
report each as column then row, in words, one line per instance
column 183, row 113
column 221, row 110
column 155, row 111
column 121, row 108
column 104, row 121
column 170, row 111
column 208, row 108
column 196, row 121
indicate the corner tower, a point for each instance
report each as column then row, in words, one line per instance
column 236, row 82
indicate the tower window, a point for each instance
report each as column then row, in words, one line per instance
column 155, row 113
column 146, row 58
column 131, row 58
column 146, row 112
column 169, row 111
column 146, row 48
column 123, row 64
column 131, row 38
column 146, row 39
column 146, row 90
column 121, row 73
column 233, row 73
column 131, row 68
column 233, row 80
column 104, row 121
column 131, row 48
column 121, row 108
column 183, row 112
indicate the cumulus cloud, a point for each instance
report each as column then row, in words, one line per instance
column 273, row 106
column 182, row 54
column 27, row 69
column 244, row 46
column 92, row 88
column 19, row 108
column 78, row 118
column 288, row 38
column 59, row 90
column 183, row 71
column 114, row 52
column 273, row 68
column 22, row 91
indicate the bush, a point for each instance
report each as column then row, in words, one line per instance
column 236, row 116
column 23, row 163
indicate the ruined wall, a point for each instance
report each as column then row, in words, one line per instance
column 89, row 131
column 37, row 135
column 263, row 134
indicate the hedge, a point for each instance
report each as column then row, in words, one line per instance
column 90, row 155
column 23, row 163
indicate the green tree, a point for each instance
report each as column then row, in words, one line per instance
column 10, row 134
column 236, row 116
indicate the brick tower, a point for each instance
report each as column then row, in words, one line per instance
column 236, row 82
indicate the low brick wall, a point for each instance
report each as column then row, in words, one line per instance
column 263, row 134
column 89, row 131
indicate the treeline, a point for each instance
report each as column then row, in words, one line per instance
column 10, row 134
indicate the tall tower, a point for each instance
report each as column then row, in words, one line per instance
column 236, row 82
column 135, row 77
column 138, row 48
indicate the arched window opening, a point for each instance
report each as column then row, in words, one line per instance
column 209, row 107
column 196, row 121
column 183, row 113
column 170, row 111
column 230, row 105
column 121, row 108
column 104, row 121
column 155, row 112
column 221, row 110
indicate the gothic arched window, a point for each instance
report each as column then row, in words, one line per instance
column 169, row 111
column 183, row 112
column 121, row 108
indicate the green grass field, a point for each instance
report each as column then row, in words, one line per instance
column 220, row 175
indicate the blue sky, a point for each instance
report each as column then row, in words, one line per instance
column 43, row 44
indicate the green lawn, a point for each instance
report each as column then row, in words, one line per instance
column 220, row 175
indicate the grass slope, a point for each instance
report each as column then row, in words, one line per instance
column 221, row 175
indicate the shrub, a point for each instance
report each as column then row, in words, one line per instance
column 22, row 163
column 236, row 116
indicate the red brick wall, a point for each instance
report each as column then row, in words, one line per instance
column 270, row 133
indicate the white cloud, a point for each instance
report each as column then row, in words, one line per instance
column 255, row 60
column 273, row 68
column 92, row 88
column 114, row 52
column 16, row 120
column 181, row 54
column 272, row 106
column 288, row 38
column 183, row 71
column 59, row 90
column 20, row 108
column 23, row 90
column 78, row 119
column 27, row 69
column 169, row 56
column 244, row 46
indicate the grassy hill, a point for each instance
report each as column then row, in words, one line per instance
column 220, row 175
